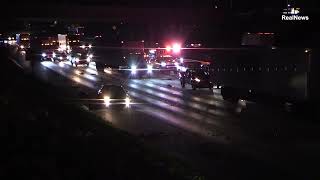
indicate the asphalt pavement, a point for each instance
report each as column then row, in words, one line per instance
column 198, row 126
column 199, row 112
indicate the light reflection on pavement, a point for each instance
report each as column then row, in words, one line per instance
column 200, row 112
column 191, row 119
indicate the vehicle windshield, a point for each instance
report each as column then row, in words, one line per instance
column 114, row 92
column 201, row 74
column 192, row 65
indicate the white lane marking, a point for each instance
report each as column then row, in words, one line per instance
column 173, row 119
column 75, row 77
column 176, row 110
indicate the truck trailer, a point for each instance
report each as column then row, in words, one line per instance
column 267, row 73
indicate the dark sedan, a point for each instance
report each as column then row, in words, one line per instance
column 79, row 59
column 112, row 96
column 197, row 78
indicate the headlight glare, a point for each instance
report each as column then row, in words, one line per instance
column 106, row 100
column 133, row 69
column 127, row 102
column 149, row 68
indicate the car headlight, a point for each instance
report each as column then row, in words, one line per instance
column 149, row 68
column 108, row 70
column 163, row 64
column 183, row 69
column 91, row 56
column 60, row 58
column 127, row 102
column 197, row 79
column 43, row 54
column 88, row 59
column 21, row 47
column 106, row 100
column 133, row 69
column 54, row 55
column 90, row 46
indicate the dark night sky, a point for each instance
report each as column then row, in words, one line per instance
column 113, row 10
column 22, row 7
column 100, row 13
column 19, row 7
column 176, row 3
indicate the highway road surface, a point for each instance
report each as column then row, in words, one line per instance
column 244, row 139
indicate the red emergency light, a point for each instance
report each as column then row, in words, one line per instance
column 176, row 48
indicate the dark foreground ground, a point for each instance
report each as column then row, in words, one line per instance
column 45, row 138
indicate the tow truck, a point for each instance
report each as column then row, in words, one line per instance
column 165, row 62
column 166, row 58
